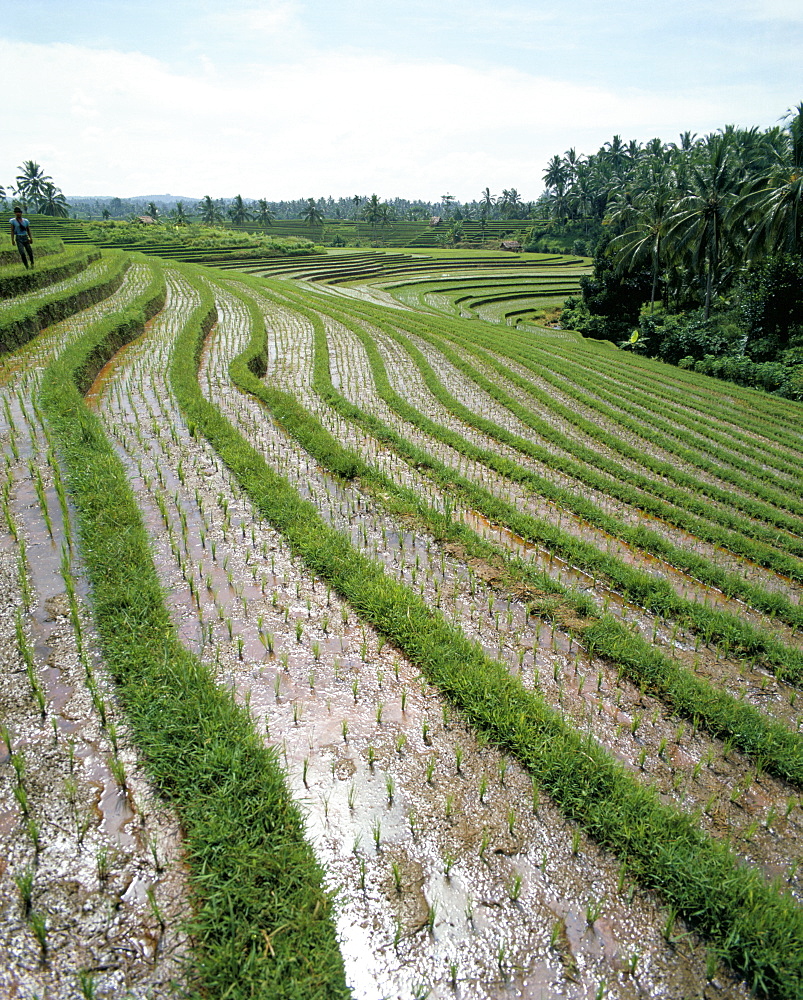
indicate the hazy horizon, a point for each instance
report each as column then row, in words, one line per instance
column 289, row 99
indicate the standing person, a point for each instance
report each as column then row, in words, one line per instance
column 21, row 235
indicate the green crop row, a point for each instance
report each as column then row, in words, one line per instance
column 758, row 412
column 644, row 588
column 636, row 418
column 253, row 877
column 20, row 280
column 757, row 930
column 21, row 322
column 617, row 480
column 771, row 745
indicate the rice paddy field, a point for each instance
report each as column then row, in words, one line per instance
column 362, row 636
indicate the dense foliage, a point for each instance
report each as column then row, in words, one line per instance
column 192, row 235
column 36, row 191
column 701, row 245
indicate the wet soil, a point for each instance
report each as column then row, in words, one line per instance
column 92, row 884
column 392, row 782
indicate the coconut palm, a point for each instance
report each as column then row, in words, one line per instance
column 264, row 215
column 238, row 213
column 556, row 178
column 31, row 181
column 372, row 212
column 701, row 224
column 52, row 202
column 179, row 214
column 311, row 214
column 643, row 241
column 511, row 203
column 210, row 213
column 487, row 203
column 774, row 199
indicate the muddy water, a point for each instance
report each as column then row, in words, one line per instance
column 350, row 372
column 373, row 764
column 352, row 375
column 102, row 855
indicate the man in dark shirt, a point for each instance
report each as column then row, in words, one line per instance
column 21, row 235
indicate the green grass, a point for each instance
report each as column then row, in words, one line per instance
column 756, row 929
column 253, row 878
column 21, row 321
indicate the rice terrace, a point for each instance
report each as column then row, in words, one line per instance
column 366, row 633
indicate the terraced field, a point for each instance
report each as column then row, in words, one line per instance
column 372, row 639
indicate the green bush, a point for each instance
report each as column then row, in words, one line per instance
column 689, row 335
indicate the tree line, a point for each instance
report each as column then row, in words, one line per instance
column 699, row 243
column 35, row 191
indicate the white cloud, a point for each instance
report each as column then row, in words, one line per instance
column 111, row 122
column 789, row 11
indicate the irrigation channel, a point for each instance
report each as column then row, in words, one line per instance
column 424, row 553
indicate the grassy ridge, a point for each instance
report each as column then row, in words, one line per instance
column 758, row 931
column 17, row 280
column 641, row 587
column 769, row 744
column 253, row 876
column 21, row 322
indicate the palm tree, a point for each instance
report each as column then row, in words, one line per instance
column 210, row 213
column 312, row 215
column 31, row 181
column 774, row 200
column 699, row 225
column 556, row 178
column 511, row 203
column 264, row 215
column 644, row 240
column 152, row 210
column 179, row 214
column 238, row 213
column 372, row 212
column 52, row 202
column 616, row 153
column 488, row 202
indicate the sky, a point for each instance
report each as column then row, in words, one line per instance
column 284, row 99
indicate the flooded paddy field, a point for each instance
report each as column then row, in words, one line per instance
column 454, row 873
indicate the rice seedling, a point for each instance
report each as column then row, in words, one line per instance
column 594, row 910
column 155, row 908
column 21, row 795
column 432, row 913
column 556, row 934
column 397, row 876
column 39, row 927
column 102, row 863
column 24, row 884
